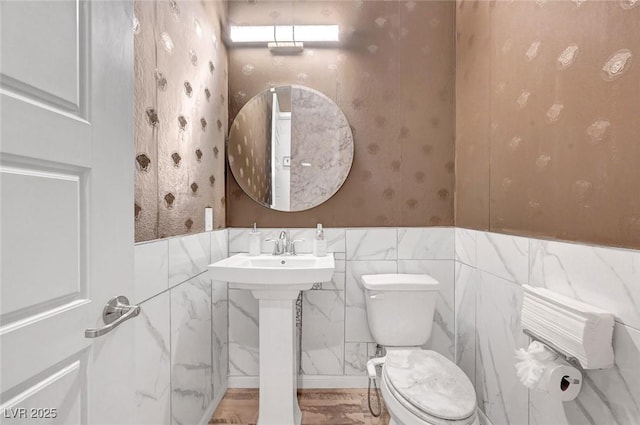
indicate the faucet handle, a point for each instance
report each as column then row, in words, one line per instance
column 293, row 245
column 277, row 250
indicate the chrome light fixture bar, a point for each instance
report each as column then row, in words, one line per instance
column 285, row 47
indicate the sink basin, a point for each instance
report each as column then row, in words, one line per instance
column 278, row 272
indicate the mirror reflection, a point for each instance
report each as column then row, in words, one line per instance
column 290, row 148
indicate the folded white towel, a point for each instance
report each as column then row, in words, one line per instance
column 574, row 328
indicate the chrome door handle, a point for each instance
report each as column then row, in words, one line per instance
column 114, row 313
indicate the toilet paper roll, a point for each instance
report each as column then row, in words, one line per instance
column 561, row 380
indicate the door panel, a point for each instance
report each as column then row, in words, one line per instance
column 64, row 387
column 31, row 129
column 45, row 60
column 34, row 345
column 42, row 209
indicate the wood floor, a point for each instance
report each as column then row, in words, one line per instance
column 319, row 407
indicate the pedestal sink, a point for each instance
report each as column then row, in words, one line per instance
column 276, row 281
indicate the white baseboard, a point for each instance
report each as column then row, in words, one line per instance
column 306, row 381
column 206, row 417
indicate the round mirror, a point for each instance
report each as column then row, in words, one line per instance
column 290, row 148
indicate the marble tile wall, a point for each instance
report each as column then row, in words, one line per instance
column 335, row 336
column 476, row 323
column 181, row 334
column 323, row 333
column 184, row 322
column 153, row 361
column 489, row 271
column 191, row 350
column 243, row 334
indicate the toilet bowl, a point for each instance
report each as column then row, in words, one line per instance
column 419, row 387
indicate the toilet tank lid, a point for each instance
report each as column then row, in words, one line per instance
column 400, row 282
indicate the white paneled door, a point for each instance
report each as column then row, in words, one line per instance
column 66, row 193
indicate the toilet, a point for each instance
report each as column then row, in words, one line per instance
column 419, row 387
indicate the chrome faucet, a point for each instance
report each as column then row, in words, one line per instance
column 283, row 240
column 283, row 245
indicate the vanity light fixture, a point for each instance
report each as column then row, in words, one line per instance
column 285, row 47
column 284, row 39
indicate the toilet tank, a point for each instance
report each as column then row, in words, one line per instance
column 400, row 307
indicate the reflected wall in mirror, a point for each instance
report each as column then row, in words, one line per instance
column 290, row 148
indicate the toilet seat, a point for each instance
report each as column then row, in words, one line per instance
column 429, row 386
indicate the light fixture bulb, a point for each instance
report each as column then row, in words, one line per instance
column 284, row 33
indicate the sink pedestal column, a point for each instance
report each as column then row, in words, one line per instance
column 278, row 374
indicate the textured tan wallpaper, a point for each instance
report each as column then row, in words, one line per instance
column 252, row 127
column 394, row 80
column 181, row 116
column 548, row 128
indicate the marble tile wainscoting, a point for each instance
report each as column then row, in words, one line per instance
column 181, row 334
column 335, row 342
column 182, row 338
column 489, row 271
